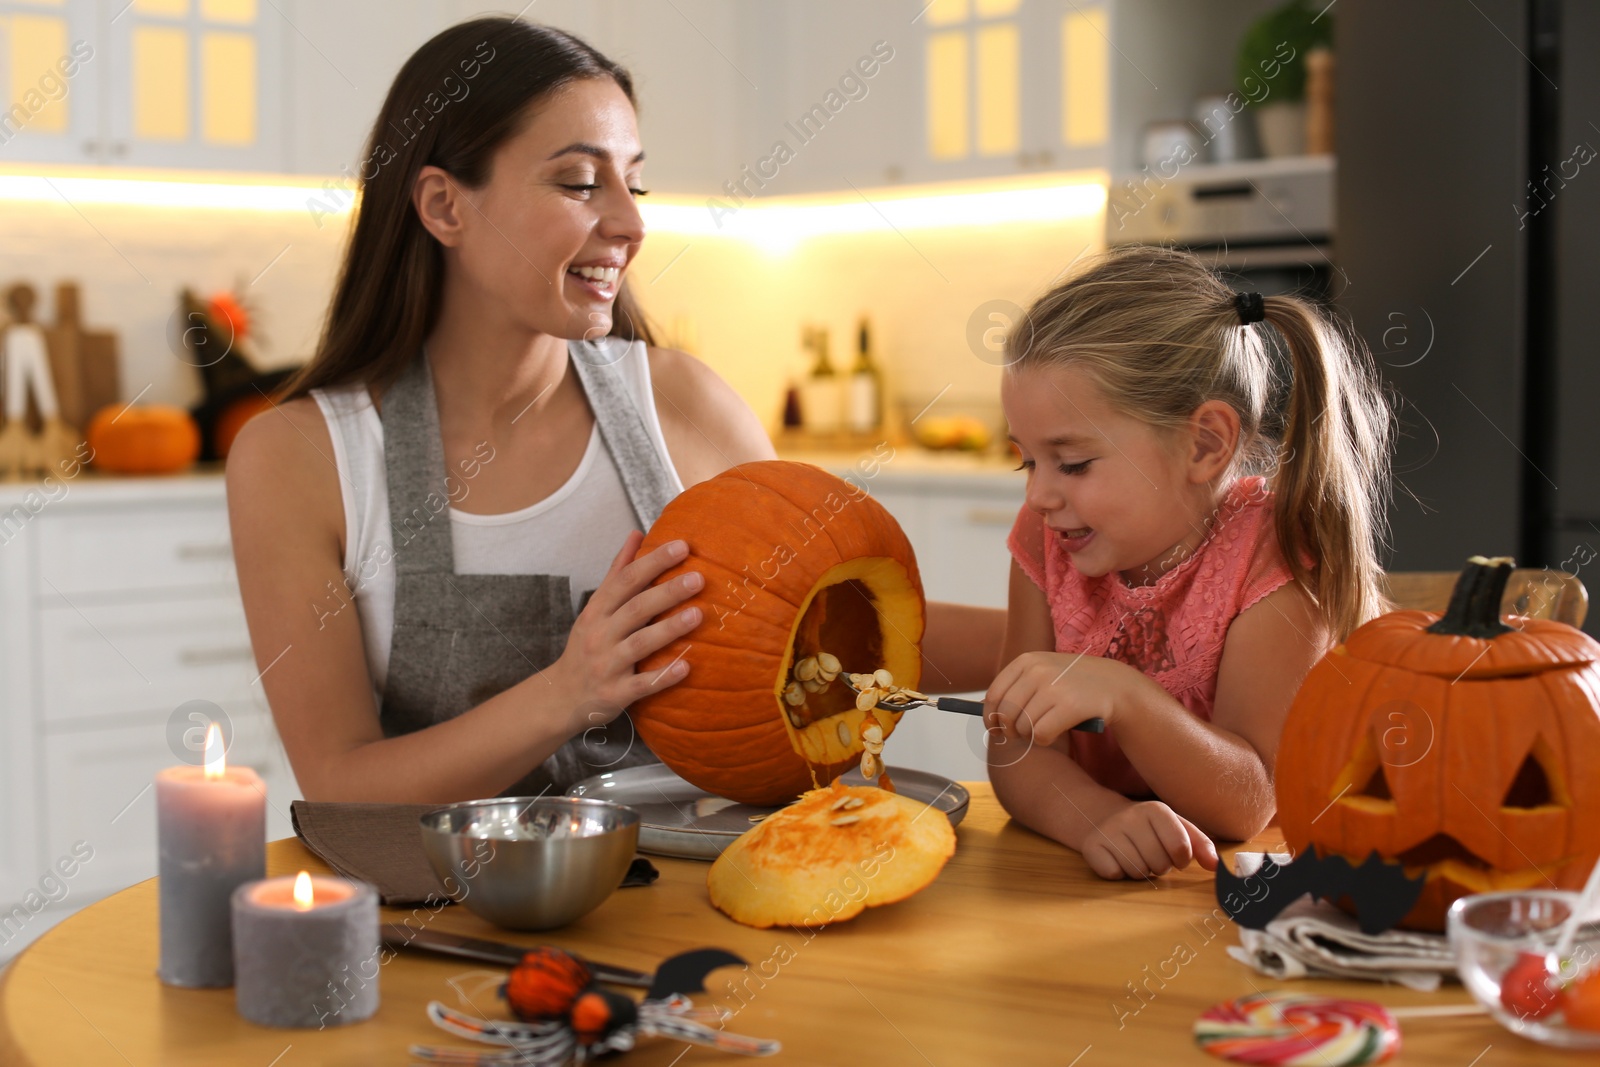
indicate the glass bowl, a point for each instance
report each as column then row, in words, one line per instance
column 1491, row 932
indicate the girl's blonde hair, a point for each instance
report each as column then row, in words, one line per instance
column 1161, row 334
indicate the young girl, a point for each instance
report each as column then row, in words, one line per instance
column 1185, row 554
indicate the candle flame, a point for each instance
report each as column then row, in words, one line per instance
column 216, row 765
column 302, row 891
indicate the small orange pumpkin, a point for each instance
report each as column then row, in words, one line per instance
column 1458, row 745
column 143, row 439
column 796, row 561
column 233, row 418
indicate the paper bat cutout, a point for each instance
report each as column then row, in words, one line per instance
column 1380, row 889
column 686, row 972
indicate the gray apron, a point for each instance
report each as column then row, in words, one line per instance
column 460, row 639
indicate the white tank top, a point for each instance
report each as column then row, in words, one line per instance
column 575, row 531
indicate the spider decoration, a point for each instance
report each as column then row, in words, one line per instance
column 565, row 1017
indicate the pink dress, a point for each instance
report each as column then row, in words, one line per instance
column 1172, row 629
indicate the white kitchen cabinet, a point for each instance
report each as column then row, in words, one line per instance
column 52, row 65
column 130, row 659
column 957, row 526
column 152, row 83
column 120, row 607
column 340, row 60
column 19, row 830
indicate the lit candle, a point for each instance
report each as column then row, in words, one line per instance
column 306, row 951
column 212, row 826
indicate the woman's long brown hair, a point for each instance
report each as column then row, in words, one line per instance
column 1160, row 333
column 387, row 297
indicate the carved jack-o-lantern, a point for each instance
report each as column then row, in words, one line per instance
column 796, row 562
column 1457, row 745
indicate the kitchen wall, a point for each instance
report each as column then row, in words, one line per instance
column 132, row 261
column 745, row 305
column 737, row 305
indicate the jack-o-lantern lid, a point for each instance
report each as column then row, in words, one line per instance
column 1471, row 640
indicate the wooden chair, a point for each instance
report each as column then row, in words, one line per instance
column 1538, row 594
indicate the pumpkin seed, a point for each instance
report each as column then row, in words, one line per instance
column 806, row 669
column 852, row 802
column 876, row 748
column 866, row 699
column 870, row 765
column 828, row 662
column 844, row 734
column 883, row 678
column 794, row 695
column 843, row 802
column 872, row 734
column 861, row 681
column 845, row 820
column 814, row 685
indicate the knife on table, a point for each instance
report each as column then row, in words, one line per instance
column 397, row 936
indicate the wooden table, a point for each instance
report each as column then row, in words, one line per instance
column 1017, row 954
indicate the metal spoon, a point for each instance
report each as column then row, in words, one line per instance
column 961, row 706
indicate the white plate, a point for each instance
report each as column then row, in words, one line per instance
column 679, row 819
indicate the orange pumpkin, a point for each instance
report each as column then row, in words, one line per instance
column 148, row 439
column 796, row 562
column 233, row 418
column 1462, row 746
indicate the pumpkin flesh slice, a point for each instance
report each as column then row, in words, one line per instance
column 867, row 612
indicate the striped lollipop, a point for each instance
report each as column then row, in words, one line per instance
column 1292, row 1029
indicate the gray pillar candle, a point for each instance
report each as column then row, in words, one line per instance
column 212, row 828
column 306, row 964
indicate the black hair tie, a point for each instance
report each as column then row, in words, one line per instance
column 1251, row 308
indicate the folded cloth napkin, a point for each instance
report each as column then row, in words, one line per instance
column 381, row 844
column 1314, row 939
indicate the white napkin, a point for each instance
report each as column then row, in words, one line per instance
column 1314, row 939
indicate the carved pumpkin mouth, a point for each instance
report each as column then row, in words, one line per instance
column 1441, row 848
column 1444, row 858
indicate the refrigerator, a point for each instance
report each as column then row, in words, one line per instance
column 1468, row 200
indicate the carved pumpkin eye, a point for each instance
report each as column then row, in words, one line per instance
column 1377, row 786
column 1535, row 786
column 1363, row 783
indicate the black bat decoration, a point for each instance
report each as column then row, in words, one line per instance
column 686, row 972
column 1381, row 890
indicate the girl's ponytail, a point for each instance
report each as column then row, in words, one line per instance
column 1332, row 481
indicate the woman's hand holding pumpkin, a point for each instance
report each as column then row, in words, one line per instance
column 1145, row 839
column 614, row 632
column 1041, row 695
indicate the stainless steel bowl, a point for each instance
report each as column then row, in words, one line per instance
column 531, row 863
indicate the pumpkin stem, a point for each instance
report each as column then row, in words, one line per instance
column 1474, row 609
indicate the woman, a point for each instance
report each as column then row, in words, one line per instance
column 425, row 528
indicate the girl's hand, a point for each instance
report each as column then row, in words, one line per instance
column 1042, row 695
column 1146, row 839
column 614, row 632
